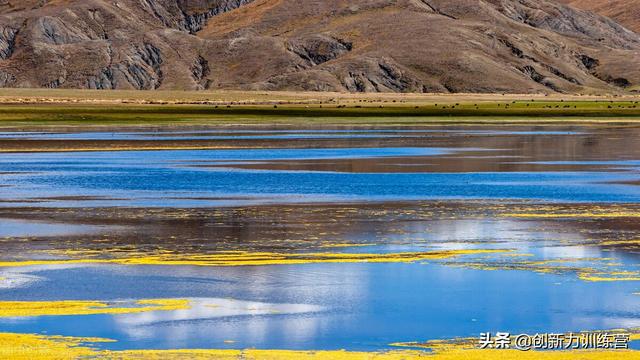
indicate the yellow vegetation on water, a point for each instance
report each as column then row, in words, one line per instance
column 632, row 242
column 242, row 258
column 583, row 215
column 36, row 347
column 267, row 355
column 257, row 258
column 117, row 148
column 478, row 354
column 467, row 348
column 57, row 308
column 610, row 276
column 40, row 347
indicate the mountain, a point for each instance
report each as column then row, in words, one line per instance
column 625, row 12
column 516, row 46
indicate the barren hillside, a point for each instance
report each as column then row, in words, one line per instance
column 626, row 12
column 359, row 45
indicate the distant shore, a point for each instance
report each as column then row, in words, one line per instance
column 27, row 108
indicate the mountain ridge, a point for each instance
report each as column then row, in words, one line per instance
column 482, row 46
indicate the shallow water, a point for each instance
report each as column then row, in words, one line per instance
column 21, row 228
column 353, row 306
column 429, row 189
column 243, row 177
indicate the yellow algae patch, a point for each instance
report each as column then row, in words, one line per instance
column 535, row 355
column 269, row 355
column 583, row 215
column 619, row 242
column 610, row 276
column 543, row 266
column 167, row 304
column 36, row 347
column 467, row 348
column 442, row 345
column 598, row 269
column 173, row 355
column 117, row 148
column 259, row 258
column 59, row 308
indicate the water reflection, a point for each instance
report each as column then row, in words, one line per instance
column 395, row 302
column 355, row 306
column 156, row 179
column 10, row 228
column 561, row 164
column 384, row 190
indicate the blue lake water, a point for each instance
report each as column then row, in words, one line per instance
column 270, row 134
column 176, row 177
column 331, row 306
column 352, row 306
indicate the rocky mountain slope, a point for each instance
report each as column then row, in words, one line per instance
column 625, row 12
column 358, row 45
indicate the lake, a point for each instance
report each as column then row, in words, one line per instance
column 288, row 237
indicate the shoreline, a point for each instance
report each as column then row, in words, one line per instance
column 33, row 108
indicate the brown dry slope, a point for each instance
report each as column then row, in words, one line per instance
column 626, row 12
column 358, row 45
